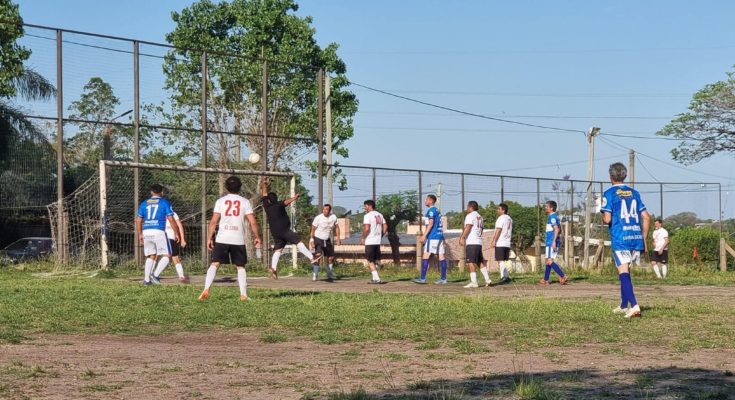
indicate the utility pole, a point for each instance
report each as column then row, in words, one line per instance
column 631, row 168
column 594, row 131
column 328, row 116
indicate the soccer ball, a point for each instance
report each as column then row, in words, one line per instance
column 254, row 158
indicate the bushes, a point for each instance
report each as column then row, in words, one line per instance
column 685, row 240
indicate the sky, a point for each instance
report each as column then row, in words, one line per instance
column 627, row 67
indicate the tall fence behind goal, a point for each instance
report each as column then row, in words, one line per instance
column 99, row 217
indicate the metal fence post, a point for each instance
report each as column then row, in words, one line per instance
column 204, row 159
column 374, row 185
column 661, row 199
column 137, row 253
column 502, row 189
column 464, row 202
column 320, row 134
column 61, row 253
column 265, row 245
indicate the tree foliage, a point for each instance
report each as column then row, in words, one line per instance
column 708, row 127
column 526, row 222
column 397, row 208
column 12, row 55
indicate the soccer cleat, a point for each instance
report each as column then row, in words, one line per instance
column 155, row 280
column 543, row 282
column 204, row 295
column 488, row 283
column 147, row 283
column 563, row 280
column 634, row 311
column 313, row 277
column 419, row 281
column 375, row 282
column 244, row 297
column 273, row 272
column 440, row 282
column 620, row 310
column 184, row 280
column 504, row 280
column 471, row 285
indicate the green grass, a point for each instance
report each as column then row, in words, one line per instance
column 527, row 387
column 30, row 306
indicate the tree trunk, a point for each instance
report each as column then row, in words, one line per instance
column 395, row 244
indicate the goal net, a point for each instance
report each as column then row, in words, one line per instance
column 98, row 218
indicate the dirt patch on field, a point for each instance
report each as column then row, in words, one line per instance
column 226, row 365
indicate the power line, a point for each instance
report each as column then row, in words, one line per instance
column 651, row 137
column 541, row 51
column 635, row 117
column 571, row 95
column 646, row 168
column 471, row 114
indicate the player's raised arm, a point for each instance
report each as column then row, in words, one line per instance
column 264, row 186
column 290, row 200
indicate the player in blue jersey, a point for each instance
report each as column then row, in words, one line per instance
column 623, row 210
column 433, row 241
column 151, row 226
column 553, row 240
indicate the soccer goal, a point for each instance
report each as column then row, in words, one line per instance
column 98, row 223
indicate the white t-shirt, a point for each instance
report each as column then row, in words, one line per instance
column 232, row 210
column 505, row 223
column 659, row 239
column 324, row 225
column 375, row 221
column 169, row 229
column 475, row 219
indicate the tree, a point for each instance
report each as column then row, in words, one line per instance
column 681, row 220
column 253, row 29
column 526, row 222
column 12, row 55
column 708, row 127
column 397, row 208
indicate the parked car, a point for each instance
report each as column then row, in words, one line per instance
column 26, row 249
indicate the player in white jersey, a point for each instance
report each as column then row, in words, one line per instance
column 175, row 250
column 501, row 240
column 472, row 238
column 660, row 253
column 373, row 229
column 321, row 242
column 228, row 247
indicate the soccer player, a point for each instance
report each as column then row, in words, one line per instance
column 501, row 240
column 228, row 247
column 433, row 241
column 373, row 229
column 321, row 229
column 175, row 250
column 623, row 210
column 553, row 240
column 660, row 254
column 280, row 225
column 151, row 226
column 472, row 237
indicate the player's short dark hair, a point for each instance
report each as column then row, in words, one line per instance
column 659, row 220
column 233, row 184
column 156, row 188
column 551, row 204
column 328, row 205
column 432, row 197
column 370, row 203
column 473, row 205
column 504, row 207
column 618, row 172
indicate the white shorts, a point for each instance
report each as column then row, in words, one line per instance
column 551, row 253
column 155, row 242
column 434, row 246
column 627, row 257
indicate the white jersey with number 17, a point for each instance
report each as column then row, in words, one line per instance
column 232, row 210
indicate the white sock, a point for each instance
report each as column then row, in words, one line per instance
column 376, row 277
column 485, row 274
column 162, row 264
column 242, row 279
column 211, row 272
column 503, row 270
column 180, row 270
column 330, row 270
column 473, row 277
column 149, row 263
column 655, row 269
column 274, row 260
column 664, row 269
column 303, row 250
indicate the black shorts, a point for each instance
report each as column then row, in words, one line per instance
column 281, row 239
column 175, row 248
column 660, row 258
column 502, row 253
column 229, row 254
column 474, row 254
column 372, row 253
column 323, row 247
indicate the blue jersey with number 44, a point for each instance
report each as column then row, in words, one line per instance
column 625, row 207
column 436, row 232
column 154, row 212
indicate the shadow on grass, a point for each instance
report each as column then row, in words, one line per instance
column 292, row 293
column 670, row 382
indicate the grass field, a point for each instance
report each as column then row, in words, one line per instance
column 539, row 346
